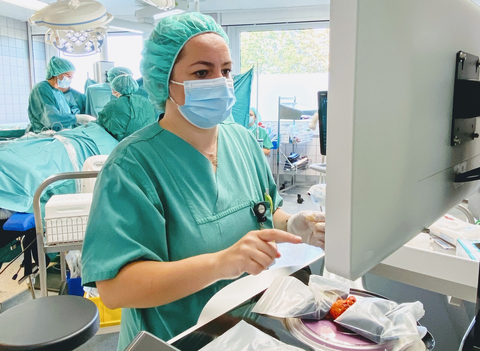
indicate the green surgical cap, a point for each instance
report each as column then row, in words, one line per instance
column 162, row 48
column 57, row 66
column 117, row 71
column 124, row 84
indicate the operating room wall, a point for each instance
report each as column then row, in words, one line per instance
column 14, row 71
column 39, row 59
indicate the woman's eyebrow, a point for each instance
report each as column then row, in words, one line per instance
column 209, row 64
column 205, row 63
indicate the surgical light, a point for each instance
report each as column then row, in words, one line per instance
column 161, row 4
column 29, row 4
column 75, row 27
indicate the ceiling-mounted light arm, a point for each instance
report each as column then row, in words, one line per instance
column 76, row 27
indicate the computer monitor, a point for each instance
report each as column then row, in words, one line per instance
column 322, row 121
column 391, row 165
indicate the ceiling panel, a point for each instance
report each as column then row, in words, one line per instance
column 126, row 8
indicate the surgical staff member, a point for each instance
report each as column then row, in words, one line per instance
column 259, row 133
column 178, row 204
column 128, row 113
column 47, row 106
column 98, row 95
column 75, row 99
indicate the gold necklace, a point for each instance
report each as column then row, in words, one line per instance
column 211, row 156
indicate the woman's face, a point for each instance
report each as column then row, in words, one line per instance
column 205, row 56
column 253, row 118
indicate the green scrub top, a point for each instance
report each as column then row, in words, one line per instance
column 125, row 115
column 158, row 198
column 261, row 133
column 76, row 100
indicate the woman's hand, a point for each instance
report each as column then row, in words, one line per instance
column 253, row 253
column 310, row 225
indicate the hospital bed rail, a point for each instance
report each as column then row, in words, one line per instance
column 43, row 247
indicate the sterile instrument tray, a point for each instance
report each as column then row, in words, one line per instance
column 66, row 218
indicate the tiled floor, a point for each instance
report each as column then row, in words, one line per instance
column 9, row 287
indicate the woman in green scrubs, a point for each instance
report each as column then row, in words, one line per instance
column 259, row 133
column 128, row 112
column 172, row 218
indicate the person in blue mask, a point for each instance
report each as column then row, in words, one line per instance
column 259, row 133
column 176, row 203
column 48, row 108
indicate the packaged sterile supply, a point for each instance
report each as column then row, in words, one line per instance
column 385, row 321
column 289, row 297
column 468, row 249
column 245, row 337
column 450, row 229
column 318, row 194
column 66, row 217
column 325, row 306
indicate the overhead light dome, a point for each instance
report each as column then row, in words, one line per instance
column 75, row 27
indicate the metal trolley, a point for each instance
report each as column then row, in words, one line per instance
column 73, row 241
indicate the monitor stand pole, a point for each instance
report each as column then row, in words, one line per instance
column 471, row 339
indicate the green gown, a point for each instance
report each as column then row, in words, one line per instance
column 158, row 198
column 125, row 115
column 49, row 109
column 76, row 100
column 261, row 133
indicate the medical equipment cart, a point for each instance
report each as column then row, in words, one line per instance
column 72, row 223
column 289, row 110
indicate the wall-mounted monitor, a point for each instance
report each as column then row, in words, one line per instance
column 391, row 165
column 322, row 121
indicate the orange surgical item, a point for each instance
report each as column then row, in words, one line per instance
column 341, row 306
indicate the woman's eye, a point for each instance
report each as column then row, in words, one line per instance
column 226, row 72
column 201, row 74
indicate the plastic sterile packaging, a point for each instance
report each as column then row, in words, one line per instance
column 289, row 297
column 383, row 321
column 73, row 259
column 318, row 194
column 245, row 337
column 450, row 229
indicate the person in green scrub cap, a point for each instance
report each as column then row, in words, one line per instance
column 173, row 218
column 259, row 133
column 48, row 107
column 128, row 113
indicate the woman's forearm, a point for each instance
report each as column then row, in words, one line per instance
column 145, row 284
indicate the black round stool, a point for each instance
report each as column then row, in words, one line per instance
column 60, row 322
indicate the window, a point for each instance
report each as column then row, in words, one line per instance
column 289, row 60
column 126, row 50
column 83, row 69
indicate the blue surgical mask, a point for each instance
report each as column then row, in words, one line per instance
column 208, row 102
column 64, row 83
column 251, row 120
